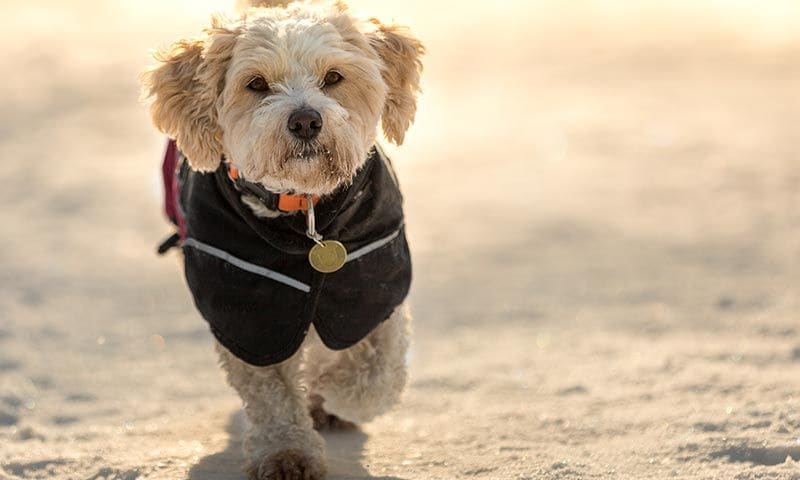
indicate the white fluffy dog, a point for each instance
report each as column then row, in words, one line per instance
column 282, row 106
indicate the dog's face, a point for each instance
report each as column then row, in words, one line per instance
column 290, row 95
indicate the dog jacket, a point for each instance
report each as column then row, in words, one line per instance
column 250, row 277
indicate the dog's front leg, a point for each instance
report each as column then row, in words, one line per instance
column 365, row 380
column 280, row 442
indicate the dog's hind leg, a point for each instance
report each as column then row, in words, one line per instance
column 365, row 380
column 280, row 442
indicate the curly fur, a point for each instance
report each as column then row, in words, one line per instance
column 280, row 427
column 356, row 385
column 185, row 88
column 200, row 97
column 365, row 380
column 402, row 65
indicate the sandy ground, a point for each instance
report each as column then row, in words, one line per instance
column 604, row 206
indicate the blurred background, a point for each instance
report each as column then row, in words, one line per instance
column 603, row 203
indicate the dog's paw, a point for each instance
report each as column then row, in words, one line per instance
column 286, row 465
column 325, row 421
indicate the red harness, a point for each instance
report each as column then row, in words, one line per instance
column 169, row 170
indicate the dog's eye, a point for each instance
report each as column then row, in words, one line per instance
column 332, row 78
column 258, row 84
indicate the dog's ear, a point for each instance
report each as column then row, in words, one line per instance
column 401, row 54
column 185, row 87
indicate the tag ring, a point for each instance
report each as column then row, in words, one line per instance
column 311, row 222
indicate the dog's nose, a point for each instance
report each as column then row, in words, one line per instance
column 305, row 123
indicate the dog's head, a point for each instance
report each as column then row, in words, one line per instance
column 291, row 95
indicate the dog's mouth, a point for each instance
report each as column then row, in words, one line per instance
column 307, row 167
column 308, row 151
column 316, row 167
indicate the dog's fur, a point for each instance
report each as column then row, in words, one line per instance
column 200, row 97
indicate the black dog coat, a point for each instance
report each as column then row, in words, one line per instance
column 250, row 276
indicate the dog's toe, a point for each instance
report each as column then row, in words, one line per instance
column 286, row 465
column 324, row 420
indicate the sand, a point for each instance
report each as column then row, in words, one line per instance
column 604, row 208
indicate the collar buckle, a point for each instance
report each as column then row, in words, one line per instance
column 276, row 202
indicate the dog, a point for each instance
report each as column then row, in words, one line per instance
column 289, row 214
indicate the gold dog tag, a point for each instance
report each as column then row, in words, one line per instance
column 328, row 256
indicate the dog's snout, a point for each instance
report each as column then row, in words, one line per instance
column 305, row 123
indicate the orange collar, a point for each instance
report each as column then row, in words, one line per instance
column 274, row 201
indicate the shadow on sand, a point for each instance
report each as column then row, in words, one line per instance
column 345, row 452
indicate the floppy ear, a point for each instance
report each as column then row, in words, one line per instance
column 185, row 88
column 401, row 54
